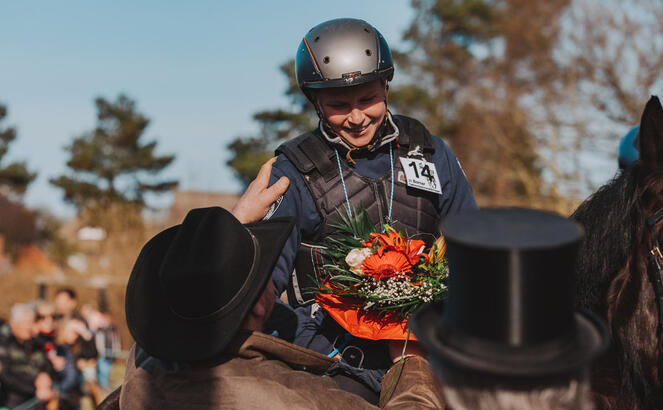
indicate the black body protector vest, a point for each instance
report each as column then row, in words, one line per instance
column 414, row 211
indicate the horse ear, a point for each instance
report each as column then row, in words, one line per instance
column 651, row 135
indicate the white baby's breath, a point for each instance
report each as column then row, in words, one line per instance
column 398, row 289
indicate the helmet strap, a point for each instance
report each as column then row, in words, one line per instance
column 386, row 95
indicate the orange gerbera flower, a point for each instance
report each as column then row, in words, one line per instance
column 386, row 265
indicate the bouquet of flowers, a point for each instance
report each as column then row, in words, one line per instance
column 372, row 281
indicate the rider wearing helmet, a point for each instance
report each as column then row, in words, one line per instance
column 628, row 148
column 359, row 156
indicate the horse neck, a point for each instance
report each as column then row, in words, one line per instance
column 633, row 318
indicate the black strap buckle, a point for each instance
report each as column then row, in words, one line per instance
column 306, row 275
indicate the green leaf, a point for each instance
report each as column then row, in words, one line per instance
column 346, row 278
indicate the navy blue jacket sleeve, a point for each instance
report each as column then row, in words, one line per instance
column 456, row 192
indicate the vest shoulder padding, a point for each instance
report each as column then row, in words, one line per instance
column 413, row 133
column 307, row 152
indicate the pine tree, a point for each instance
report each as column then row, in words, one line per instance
column 18, row 224
column 440, row 58
column 14, row 177
column 112, row 164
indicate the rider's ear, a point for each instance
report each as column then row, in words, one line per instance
column 651, row 135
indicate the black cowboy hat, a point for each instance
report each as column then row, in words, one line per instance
column 510, row 308
column 193, row 284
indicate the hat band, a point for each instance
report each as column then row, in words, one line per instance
column 248, row 282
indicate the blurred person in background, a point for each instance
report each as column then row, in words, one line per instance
column 109, row 347
column 45, row 321
column 66, row 304
column 627, row 153
column 107, row 341
column 74, row 335
column 25, row 370
column 63, row 362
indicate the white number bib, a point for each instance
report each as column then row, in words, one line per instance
column 421, row 174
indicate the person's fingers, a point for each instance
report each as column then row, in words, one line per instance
column 279, row 187
column 262, row 179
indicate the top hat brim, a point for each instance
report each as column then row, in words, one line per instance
column 166, row 335
column 589, row 341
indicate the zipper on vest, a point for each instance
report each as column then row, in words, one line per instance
column 380, row 195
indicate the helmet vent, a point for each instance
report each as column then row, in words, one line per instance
column 367, row 30
column 326, row 60
column 368, row 52
column 316, row 39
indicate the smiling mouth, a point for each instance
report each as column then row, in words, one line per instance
column 358, row 131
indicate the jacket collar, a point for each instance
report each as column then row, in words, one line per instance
column 259, row 345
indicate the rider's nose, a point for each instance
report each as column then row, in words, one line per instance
column 356, row 116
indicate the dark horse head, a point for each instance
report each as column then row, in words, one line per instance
column 612, row 272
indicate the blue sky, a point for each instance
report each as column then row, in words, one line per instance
column 198, row 70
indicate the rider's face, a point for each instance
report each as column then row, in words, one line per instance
column 354, row 113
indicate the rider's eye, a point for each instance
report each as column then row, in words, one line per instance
column 366, row 100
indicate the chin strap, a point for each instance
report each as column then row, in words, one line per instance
column 379, row 140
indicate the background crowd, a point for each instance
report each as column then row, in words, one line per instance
column 55, row 353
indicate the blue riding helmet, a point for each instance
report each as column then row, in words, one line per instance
column 628, row 148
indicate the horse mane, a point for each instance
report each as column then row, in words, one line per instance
column 613, row 220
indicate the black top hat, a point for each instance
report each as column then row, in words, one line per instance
column 510, row 308
column 193, row 284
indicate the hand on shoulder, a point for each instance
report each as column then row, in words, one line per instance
column 254, row 203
